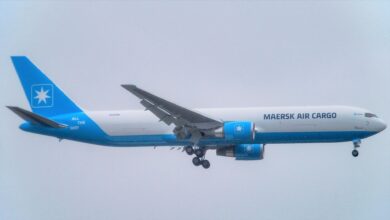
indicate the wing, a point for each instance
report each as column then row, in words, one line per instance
column 169, row 112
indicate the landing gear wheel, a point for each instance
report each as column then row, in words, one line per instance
column 189, row 150
column 196, row 161
column 199, row 152
column 205, row 164
column 355, row 153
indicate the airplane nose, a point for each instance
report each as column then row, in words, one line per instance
column 382, row 126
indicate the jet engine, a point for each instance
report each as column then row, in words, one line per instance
column 236, row 130
column 243, row 151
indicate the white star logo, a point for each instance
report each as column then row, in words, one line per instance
column 238, row 128
column 42, row 95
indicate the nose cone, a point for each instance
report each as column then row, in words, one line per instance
column 381, row 125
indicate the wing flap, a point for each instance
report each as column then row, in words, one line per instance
column 162, row 115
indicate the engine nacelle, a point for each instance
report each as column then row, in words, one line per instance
column 237, row 130
column 243, row 151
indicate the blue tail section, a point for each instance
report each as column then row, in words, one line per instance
column 44, row 97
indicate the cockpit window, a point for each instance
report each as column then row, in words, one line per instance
column 370, row 115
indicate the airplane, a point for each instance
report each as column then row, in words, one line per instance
column 241, row 133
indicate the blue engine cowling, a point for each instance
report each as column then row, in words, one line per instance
column 243, row 151
column 237, row 131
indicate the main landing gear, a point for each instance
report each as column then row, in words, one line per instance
column 199, row 158
column 356, row 144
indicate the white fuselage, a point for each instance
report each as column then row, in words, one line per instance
column 273, row 124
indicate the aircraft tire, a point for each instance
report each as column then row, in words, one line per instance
column 196, row 161
column 205, row 164
column 355, row 153
column 189, row 150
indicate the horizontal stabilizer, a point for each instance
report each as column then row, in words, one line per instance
column 35, row 118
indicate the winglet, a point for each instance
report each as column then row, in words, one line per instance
column 35, row 118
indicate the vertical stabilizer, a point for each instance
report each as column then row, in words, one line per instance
column 44, row 97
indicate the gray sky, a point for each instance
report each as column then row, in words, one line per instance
column 198, row 54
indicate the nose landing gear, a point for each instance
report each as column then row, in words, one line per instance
column 356, row 144
column 355, row 153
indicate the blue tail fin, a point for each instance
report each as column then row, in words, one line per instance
column 44, row 97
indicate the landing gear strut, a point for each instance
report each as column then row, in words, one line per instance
column 356, row 144
column 199, row 158
column 199, row 152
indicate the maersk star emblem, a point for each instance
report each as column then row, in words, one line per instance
column 42, row 95
column 238, row 128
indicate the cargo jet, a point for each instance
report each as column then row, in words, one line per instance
column 240, row 133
